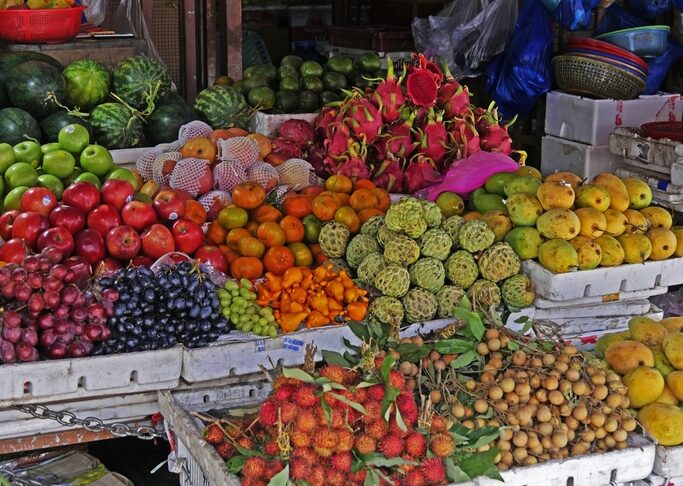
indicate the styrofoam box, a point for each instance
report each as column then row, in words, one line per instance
column 603, row 281
column 558, row 154
column 592, row 121
column 656, row 480
column 669, row 462
column 542, row 303
column 586, row 341
column 659, row 183
column 657, row 155
column 68, row 379
column 268, row 125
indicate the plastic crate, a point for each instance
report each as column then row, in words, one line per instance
column 382, row 39
column 41, row 25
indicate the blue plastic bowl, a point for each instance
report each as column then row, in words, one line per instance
column 642, row 41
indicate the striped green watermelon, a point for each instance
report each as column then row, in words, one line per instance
column 136, row 79
column 222, row 106
column 30, row 83
column 17, row 125
column 87, row 84
column 51, row 125
column 3, row 95
column 115, row 126
column 165, row 121
column 10, row 60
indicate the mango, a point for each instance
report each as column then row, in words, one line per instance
column 663, row 422
column 618, row 195
column 667, row 397
column 617, row 223
column 612, row 252
column 528, row 185
column 672, row 324
column 496, row 183
column 558, row 256
column 450, row 204
column 525, row 240
column 627, row 355
column 644, row 384
column 524, row 209
column 555, row 195
column 663, row 241
column 639, row 193
column 678, row 233
column 559, row 223
column 565, row 177
column 673, row 349
column 498, row 221
column 637, row 223
column 637, row 247
column 593, row 222
column 658, row 217
column 591, row 196
column 674, row 381
column 647, row 331
column 662, row 364
column 528, row 171
column 606, row 340
column 488, row 202
column 588, row 252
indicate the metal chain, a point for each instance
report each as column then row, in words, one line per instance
column 92, row 424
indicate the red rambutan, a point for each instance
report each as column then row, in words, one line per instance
column 299, row 468
column 391, row 446
column 359, row 476
column 317, row 477
column 341, row 461
column 306, row 421
column 305, row 397
column 376, row 392
column 323, row 451
column 271, row 448
column 416, row 444
column 267, row 414
column 305, row 453
column 326, row 439
column 334, row 373
column 396, row 379
column 254, row 482
column 344, row 440
column 273, row 468
column 433, row 470
column 214, row 435
column 254, row 468
column 361, row 394
column 334, row 477
column 225, row 449
column 415, row 478
column 245, row 442
column 377, row 429
column 288, row 411
column 396, row 430
column 365, row 444
column 438, row 425
column 378, row 362
column 442, row 444
column 284, row 393
column 406, row 468
column 300, row 439
column 373, row 411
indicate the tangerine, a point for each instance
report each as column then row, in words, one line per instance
column 199, row 148
column 275, row 159
column 252, row 227
column 265, row 146
column 312, row 190
column 342, row 198
column 383, row 199
column 366, row 214
column 324, row 207
column 278, row 259
column 363, row 199
column 297, row 205
column 231, row 256
column 195, row 212
column 303, row 257
column 339, row 183
column 218, row 135
column 271, row 234
column 232, row 217
column 250, row 268
column 248, row 195
column 234, row 237
column 251, row 247
column 293, row 228
column 348, row 217
column 216, row 233
column 266, row 212
column 237, row 132
column 364, row 184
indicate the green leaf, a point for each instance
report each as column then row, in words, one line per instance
column 354, row 405
column 387, row 363
column 465, row 303
column 477, row 464
column 412, row 352
column 348, row 345
column 371, row 479
column 464, row 359
column 356, row 465
column 244, row 451
column 390, row 394
column 399, row 421
column 493, row 473
column 527, row 325
column 485, row 439
column 521, row 319
column 459, row 433
column 235, row 464
column 513, row 345
column 326, row 409
column 334, row 358
column 361, row 331
column 454, row 473
column 365, row 384
column 473, row 322
column 281, row 478
column 298, row 374
column 453, row 346
column 380, row 461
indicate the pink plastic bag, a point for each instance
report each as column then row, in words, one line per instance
column 467, row 175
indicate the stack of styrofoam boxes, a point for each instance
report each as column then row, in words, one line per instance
column 657, row 162
column 578, row 129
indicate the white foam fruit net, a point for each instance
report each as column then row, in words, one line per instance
column 144, row 163
column 240, row 149
column 208, row 200
column 194, row 129
column 264, row 174
column 280, row 192
column 297, row 172
column 190, row 175
column 163, row 166
column 226, row 175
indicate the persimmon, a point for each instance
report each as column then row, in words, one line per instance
column 278, row 259
column 324, row 207
column 246, row 267
column 321, row 258
column 265, row 146
column 237, row 132
column 383, row 198
column 275, row 159
column 293, row 228
column 348, row 217
column 363, row 199
column 471, row 215
column 342, row 198
column 233, row 217
column 366, row 214
column 219, row 134
column 199, row 148
column 234, row 237
column 339, row 183
column 216, row 233
column 252, row 227
column 271, row 234
column 303, row 257
column 195, row 212
column 251, row 247
column 266, row 212
column 297, row 205
column 248, row 195
column 315, row 249
column 364, row 184
column 231, row 255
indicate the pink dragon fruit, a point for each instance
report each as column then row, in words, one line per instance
column 464, row 138
column 421, row 173
column 287, row 148
column 298, row 131
column 434, row 138
column 365, row 121
column 453, row 98
column 325, row 119
column 337, row 145
column 389, row 94
column 399, row 143
column 423, row 82
column 316, row 157
column 389, row 176
column 355, row 166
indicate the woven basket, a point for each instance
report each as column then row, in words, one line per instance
column 581, row 75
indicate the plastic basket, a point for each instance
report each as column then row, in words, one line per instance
column 647, row 41
column 581, row 75
column 43, row 25
column 254, row 50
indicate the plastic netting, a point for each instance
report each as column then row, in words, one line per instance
column 264, row 174
column 214, row 201
column 226, row 175
column 145, row 162
column 279, row 193
column 163, row 166
column 192, row 175
column 297, row 172
column 241, row 149
column 194, row 129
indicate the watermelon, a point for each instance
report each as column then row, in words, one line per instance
column 3, row 95
column 87, row 84
column 222, row 107
column 115, row 126
column 51, row 125
column 30, row 83
column 165, row 121
column 17, row 125
column 136, row 79
column 10, row 60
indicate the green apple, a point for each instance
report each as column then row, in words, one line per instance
column 52, row 183
column 28, row 151
column 59, row 163
column 72, row 178
column 97, row 159
column 126, row 175
column 2, row 187
column 73, row 138
column 21, row 174
column 13, row 198
column 6, row 157
column 89, row 177
column 139, row 196
column 49, row 147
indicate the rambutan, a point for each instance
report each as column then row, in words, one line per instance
column 334, row 373
column 305, row 453
column 245, row 442
column 391, row 446
column 254, row 482
column 281, row 381
column 396, row 379
column 438, row 425
column 376, row 392
column 344, row 440
column 360, row 394
column 317, row 477
column 300, row 439
column 267, row 414
column 214, row 435
column 271, row 448
column 395, row 429
column 377, row 429
column 323, row 452
column 433, row 470
column 273, row 468
column 341, row 461
column 416, row 444
column 378, row 361
column 306, row 421
column 284, row 393
column 365, row 444
column 326, row 439
column 359, row 476
column 442, row 444
column 225, row 449
column 336, row 420
column 288, row 411
column 415, row 478
column 305, row 397
column 406, row 468
column 373, row 411
column 334, row 477
column 254, row 468
column 299, row 469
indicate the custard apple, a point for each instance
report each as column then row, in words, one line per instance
column 369, row 267
column 452, row 226
column 432, row 214
column 419, row 305
column 484, row 294
column 333, row 239
column 397, row 214
column 360, row 247
column 393, row 280
column 461, row 269
column 415, row 225
column 499, row 262
column 387, row 310
column 518, row 291
column 476, row 236
column 338, row 264
column 402, row 250
column 436, row 243
column 428, row 273
column 372, row 225
column 385, row 235
column 449, row 298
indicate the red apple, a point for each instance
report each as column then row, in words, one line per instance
column 107, row 266
column 28, row 226
column 117, row 192
column 138, row 215
column 169, row 205
column 82, row 195
column 59, row 238
column 13, row 251
column 188, row 236
column 72, row 219
column 39, row 200
column 103, row 218
column 212, row 255
column 6, row 222
column 157, row 241
column 123, row 243
column 90, row 245
column 184, row 195
column 142, row 261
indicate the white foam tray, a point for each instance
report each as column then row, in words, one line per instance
column 603, row 281
column 669, row 462
column 609, row 309
column 659, row 183
column 268, row 125
column 587, row 161
column 632, row 145
column 70, row 379
column 542, row 303
column 656, row 480
column 587, row 341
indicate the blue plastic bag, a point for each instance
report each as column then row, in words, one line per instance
column 574, row 14
column 659, row 67
column 678, row 4
column 616, row 18
column 522, row 72
column 649, row 9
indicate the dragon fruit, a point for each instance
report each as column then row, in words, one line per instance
column 355, row 166
column 453, row 98
column 316, row 157
column 298, row 131
column 421, row 173
column 422, row 84
column 389, row 95
column 389, row 176
column 399, row 142
column 287, row 148
column 337, row 146
column 325, row 119
column 464, row 138
column 434, row 138
column 365, row 121
column 494, row 136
